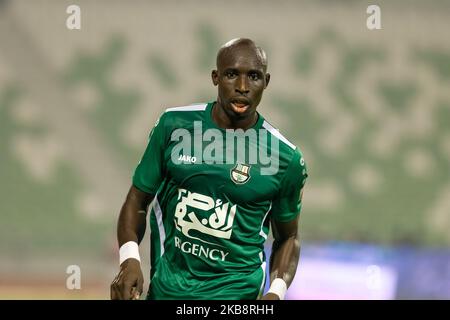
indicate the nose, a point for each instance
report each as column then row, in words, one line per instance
column 242, row 85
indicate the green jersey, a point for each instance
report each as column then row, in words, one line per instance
column 214, row 197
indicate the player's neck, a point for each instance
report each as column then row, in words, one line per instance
column 225, row 121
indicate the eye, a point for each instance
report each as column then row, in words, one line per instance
column 231, row 74
column 254, row 76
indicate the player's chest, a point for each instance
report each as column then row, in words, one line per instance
column 234, row 165
column 240, row 181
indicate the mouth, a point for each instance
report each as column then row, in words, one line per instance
column 240, row 106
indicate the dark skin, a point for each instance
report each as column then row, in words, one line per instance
column 128, row 284
column 241, row 78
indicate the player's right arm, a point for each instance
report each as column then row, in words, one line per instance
column 132, row 219
column 128, row 284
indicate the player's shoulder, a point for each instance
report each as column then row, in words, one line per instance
column 290, row 154
column 286, row 146
column 288, row 151
column 194, row 107
column 179, row 116
column 186, row 110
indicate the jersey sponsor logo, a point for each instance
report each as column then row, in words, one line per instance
column 218, row 224
column 199, row 250
column 240, row 173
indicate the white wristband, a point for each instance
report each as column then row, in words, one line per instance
column 129, row 250
column 279, row 287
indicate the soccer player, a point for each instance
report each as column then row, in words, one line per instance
column 212, row 209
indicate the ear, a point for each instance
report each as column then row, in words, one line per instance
column 215, row 77
column 267, row 79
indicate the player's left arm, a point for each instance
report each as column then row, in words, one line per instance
column 285, row 254
column 285, row 217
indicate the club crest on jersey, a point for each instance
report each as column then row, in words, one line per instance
column 240, row 174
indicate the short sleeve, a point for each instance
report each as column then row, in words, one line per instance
column 150, row 171
column 288, row 202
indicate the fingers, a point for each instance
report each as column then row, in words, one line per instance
column 140, row 285
column 114, row 293
column 136, row 291
column 121, row 289
column 115, row 290
column 135, row 294
column 126, row 289
column 127, row 285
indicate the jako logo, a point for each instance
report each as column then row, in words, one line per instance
column 184, row 158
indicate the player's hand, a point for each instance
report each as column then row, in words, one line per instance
column 128, row 284
column 270, row 296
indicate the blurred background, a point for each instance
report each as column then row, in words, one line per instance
column 370, row 110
